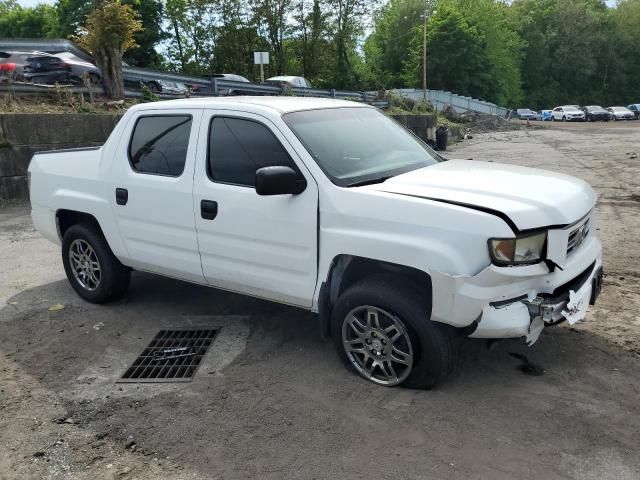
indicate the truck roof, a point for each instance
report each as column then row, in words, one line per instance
column 280, row 104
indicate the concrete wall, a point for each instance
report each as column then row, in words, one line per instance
column 424, row 126
column 23, row 134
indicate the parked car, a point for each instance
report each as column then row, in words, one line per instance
column 621, row 113
column 37, row 67
column 478, row 249
column 526, row 114
column 80, row 68
column 635, row 108
column 233, row 78
column 299, row 82
column 174, row 88
column 544, row 115
column 567, row 113
column 7, row 71
column 595, row 113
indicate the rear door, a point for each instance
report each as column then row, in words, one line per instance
column 151, row 192
column 264, row 246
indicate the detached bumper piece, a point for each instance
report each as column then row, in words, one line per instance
column 568, row 302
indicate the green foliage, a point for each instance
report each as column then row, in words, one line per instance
column 405, row 106
column 150, row 13
column 457, row 57
column 533, row 53
column 109, row 32
column 388, row 49
column 147, row 95
column 570, row 48
column 17, row 21
column 72, row 14
column 503, row 45
column 111, row 26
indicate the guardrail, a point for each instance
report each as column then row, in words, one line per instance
column 440, row 98
column 216, row 87
column 221, row 86
column 35, row 88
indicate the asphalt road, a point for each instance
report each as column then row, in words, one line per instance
column 272, row 400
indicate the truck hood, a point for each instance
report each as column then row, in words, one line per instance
column 525, row 197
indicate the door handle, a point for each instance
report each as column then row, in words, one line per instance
column 208, row 209
column 122, row 196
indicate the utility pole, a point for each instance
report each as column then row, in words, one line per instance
column 424, row 58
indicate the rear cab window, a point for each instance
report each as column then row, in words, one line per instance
column 159, row 144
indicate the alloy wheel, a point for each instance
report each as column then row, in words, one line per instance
column 85, row 264
column 378, row 345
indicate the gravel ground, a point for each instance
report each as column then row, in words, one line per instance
column 272, row 400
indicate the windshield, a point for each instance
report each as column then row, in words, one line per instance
column 595, row 108
column 571, row 109
column 359, row 145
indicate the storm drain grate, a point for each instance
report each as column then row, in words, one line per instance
column 172, row 356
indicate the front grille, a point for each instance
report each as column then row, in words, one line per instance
column 577, row 236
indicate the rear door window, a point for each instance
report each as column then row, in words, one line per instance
column 159, row 144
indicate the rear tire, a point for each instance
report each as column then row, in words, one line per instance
column 390, row 308
column 91, row 267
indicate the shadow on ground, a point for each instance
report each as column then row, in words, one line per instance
column 272, row 399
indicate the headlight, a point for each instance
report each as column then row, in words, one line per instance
column 521, row 250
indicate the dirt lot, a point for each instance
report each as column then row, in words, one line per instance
column 272, row 400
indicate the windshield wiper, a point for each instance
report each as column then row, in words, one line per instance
column 369, row 182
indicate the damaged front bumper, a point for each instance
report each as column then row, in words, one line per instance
column 518, row 302
column 570, row 305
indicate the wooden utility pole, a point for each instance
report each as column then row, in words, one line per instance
column 424, row 58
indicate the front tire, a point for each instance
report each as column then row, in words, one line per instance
column 91, row 267
column 382, row 329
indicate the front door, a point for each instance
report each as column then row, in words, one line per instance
column 265, row 246
column 152, row 193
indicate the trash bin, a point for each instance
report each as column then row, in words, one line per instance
column 442, row 137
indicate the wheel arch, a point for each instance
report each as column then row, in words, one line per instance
column 345, row 270
column 67, row 218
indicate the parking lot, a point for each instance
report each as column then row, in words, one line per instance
column 272, row 400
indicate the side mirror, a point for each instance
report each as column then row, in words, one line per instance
column 279, row 181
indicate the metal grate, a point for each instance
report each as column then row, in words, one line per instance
column 172, row 356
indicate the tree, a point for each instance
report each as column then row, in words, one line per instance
column 388, row 48
column 569, row 51
column 621, row 69
column 150, row 13
column 270, row 17
column 109, row 32
column 72, row 15
column 457, row 57
column 236, row 38
column 348, row 16
column 310, row 26
column 193, row 32
column 503, row 45
column 20, row 22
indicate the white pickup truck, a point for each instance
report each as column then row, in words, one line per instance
column 329, row 206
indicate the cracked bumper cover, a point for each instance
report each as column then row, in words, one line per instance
column 510, row 302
